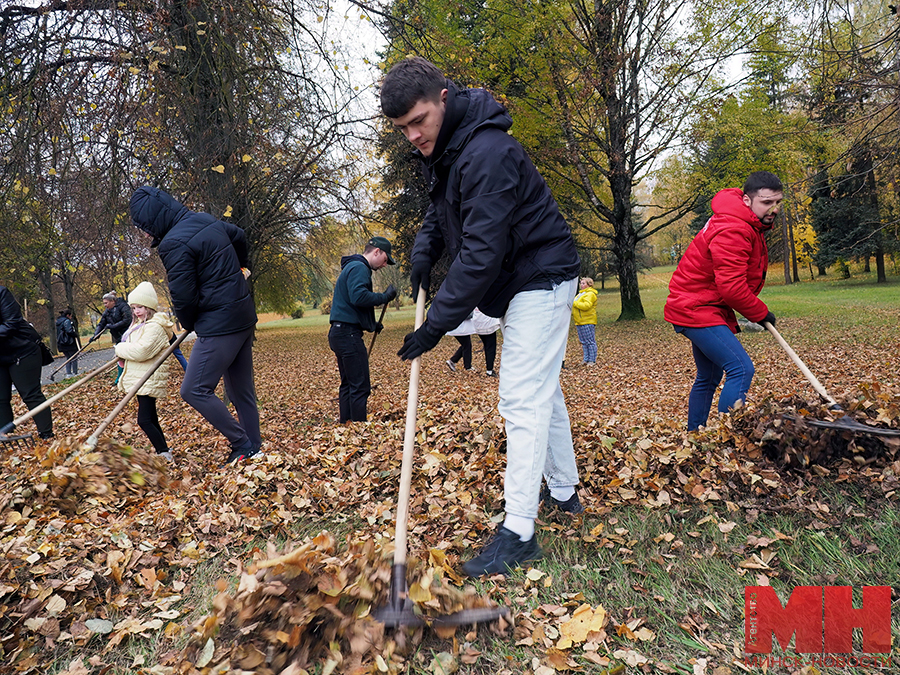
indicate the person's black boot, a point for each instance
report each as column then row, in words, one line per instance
column 503, row 553
column 572, row 505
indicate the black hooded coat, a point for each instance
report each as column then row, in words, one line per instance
column 492, row 211
column 18, row 338
column 203, row 257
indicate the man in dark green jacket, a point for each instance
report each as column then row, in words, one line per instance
column 352, row 312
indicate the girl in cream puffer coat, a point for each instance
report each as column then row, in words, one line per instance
column 143, row 342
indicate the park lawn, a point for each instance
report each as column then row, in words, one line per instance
column 676, row 527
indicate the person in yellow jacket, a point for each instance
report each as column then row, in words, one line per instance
column 584, row 313
column 143, row 342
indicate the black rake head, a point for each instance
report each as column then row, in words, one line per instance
column 19, row 441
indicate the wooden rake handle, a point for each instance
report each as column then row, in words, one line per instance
column 807, row 373
column 71, row 358
column 92, row 441
column 46, row 404
column 409, row 444
column 375, row 334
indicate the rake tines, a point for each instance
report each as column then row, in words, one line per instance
column 21, row 441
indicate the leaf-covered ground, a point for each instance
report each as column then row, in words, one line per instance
column 103, row 552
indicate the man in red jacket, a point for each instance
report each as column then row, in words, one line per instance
column 723, row 271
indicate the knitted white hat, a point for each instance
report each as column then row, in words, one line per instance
column 144, row 294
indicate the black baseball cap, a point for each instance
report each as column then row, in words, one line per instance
column 384, row 245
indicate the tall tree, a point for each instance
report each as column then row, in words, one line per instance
column 599, row 91
column 241, row 108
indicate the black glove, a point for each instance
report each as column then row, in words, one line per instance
column 379, row 327
column 770, row 318
column 420, row 276
column 95, row 336
column 417, row 343
column 390, row 293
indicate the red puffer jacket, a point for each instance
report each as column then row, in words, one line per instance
column 723, row 270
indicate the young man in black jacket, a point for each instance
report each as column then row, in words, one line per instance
column 352, row 312
column 205, row 260
column 513, row 257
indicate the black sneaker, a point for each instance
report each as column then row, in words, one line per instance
column 503, row 553
column 572, row 505
column 238, row 456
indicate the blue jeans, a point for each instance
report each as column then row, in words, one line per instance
column 716, row 350
column 538, row 434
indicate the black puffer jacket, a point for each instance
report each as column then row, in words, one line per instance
column 18, row 338
column 203, row 259
column 117, row 318
column 493, row 212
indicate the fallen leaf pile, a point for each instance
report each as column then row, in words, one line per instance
column 102, row 549
column 314, row 607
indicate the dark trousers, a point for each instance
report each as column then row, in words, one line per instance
column 464, row 351
column 148, row 421
column 346, row 341
column 26, row 375
column 229, row 357
column 69, row 351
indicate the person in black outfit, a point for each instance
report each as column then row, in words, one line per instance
column 513, row 256
column 352, row 312
column 117, row 318
column 207, row 262
column 65, row 339
column 20, row 364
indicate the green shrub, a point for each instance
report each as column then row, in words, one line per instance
column 297, row 313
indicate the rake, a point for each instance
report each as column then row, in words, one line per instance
column 27, row 439
column 399, row 609
column 843, row 423
column 375, row 334
column 71, row 358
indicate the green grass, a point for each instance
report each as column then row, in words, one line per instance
column 682, row 574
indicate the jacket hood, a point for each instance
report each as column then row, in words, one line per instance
column 730, row 202
column 468, row 111
column 347, row 259
column 162, row 319
column 155, row 212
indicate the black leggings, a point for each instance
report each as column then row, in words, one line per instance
column 148, row 421
column 465, row 350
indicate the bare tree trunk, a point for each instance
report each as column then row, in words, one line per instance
column 786, row 252
column 879, row 246
column 794, row 266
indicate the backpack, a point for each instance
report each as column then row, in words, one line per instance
column 63, row 336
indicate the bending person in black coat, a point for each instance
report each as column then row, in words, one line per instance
column 20, row 364
column 513, row 256
column 205, row 260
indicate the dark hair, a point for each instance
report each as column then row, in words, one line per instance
column 411, row 80
column 762, row 180
column 369, row 248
